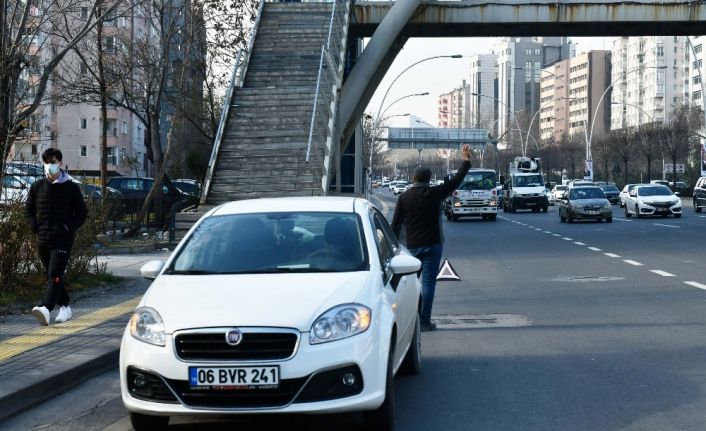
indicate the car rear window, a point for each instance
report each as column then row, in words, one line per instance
column 274, row 243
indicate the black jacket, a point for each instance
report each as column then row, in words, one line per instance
column 55, row 212
column 419, row 210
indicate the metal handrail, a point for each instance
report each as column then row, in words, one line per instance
column 326, row 50
column 237, row 78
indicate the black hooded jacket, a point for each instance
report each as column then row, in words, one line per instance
column 419, row 210
column 55, row 212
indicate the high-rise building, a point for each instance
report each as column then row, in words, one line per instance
column 520, row 60
column 452, row 107
column 650, row 79
column 483, row 86
column 696, row 64
column 554, row 101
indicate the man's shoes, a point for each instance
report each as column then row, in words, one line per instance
column 64, row 314
column 42, row 314
column 428, row 326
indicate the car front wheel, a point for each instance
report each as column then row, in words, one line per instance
column 412, row 363
column 637, row 212
column 627, row 213
column 697, row 208
column 383, row 418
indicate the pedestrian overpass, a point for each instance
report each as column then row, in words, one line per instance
column 290, row 123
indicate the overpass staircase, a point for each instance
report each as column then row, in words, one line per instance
column 276, row 129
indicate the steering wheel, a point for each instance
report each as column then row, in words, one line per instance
column 328, row 252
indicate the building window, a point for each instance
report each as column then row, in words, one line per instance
column 83, row 151
column 697, row 49
column 84, row 13
column 537, row 51
column 697, row 79
column 112, row 156
column 110, row 44
column 82, row 123
column 84, row 68
column 660, row 51
column 124, row 127
column 697, row 95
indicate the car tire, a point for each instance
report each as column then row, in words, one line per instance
column 484, row 217
column 627, row 213
column 545, row 209
column 412, row 363
column 493, row 217
column 697, row 208
column 562, row 219
column 570, row 219
column 637, row 212
column 677, row 215
column 449, row 216
column 383, row 418
column 609, row 219
column 141, row 422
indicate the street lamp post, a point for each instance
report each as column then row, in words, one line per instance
column 652, row 121
column 426, row 93
column 377, row 122
column 406, row 69
column 517, row 123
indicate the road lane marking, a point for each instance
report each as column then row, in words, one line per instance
column 546, row 231
column 632, row 262
column 695, row 284
column 611, row 255
column 594, row 248
column 538, row 229
column 556, row 234
column 667, row 225
column 662, row 273
column 566, row 238
column 48, row 334
column 621, row 219
column 579, row 243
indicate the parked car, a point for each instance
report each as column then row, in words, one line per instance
column 700, row 194
column 400, row 187
column 290, row 305
column 622, row 197
column 392, row 184
column 189, row 187
column 611, row 193
column 652, row 199
column 585, row 202
column 14, row 189
column 93, row 191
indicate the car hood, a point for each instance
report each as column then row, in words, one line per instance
column 277, row 300
column 529, row 190
column 589, row 202
column 658, row 198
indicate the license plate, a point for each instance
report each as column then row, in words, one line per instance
column 661, row 210
column 529, row 204
column 233, row 377
column 592, row 212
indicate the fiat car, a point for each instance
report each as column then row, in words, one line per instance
column 290, row 305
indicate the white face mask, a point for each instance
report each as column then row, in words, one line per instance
column 51, row 169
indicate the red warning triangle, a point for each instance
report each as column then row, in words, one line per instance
column 447, row 272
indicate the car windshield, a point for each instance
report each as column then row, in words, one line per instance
column 187, row 187
column 609, row 188
column 528, row 180
column 654, row 191
column 586, row 193
column 274, row 243
column 478, row 181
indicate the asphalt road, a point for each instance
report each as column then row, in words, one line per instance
column 553, row 326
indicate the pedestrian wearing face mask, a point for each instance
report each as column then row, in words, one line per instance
column 55, row 210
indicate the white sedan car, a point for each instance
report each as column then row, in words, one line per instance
column 400, row 187
column 652, row 199
column 623, row 196
column 292, row 305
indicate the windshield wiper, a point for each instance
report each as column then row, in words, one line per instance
column 290, row 269
column 192, row 272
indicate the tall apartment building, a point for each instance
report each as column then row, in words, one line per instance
column 650, row 76
column 452, row 107
column 570, row 93
column 483, row 82
column 697, row 68
column 520, row 60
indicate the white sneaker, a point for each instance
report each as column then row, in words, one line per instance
column 42, row 314
column 64, row 314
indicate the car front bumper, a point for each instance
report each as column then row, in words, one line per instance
column 298, row 379
column 659, row 210
column 529, row 201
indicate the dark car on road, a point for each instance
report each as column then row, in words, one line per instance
column 611, row 193
column 700, row 194
column 584, row 202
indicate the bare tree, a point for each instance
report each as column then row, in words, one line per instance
column 603, row 155
column 650, row 147
column 676, row 134
column 623, row 144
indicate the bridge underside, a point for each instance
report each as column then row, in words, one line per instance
column 539, row 18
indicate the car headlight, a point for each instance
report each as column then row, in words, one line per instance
column 493, row 202
column 607, row 205
column 340, row 322
column 147, row 325
column 575, row 207
column 676, row 202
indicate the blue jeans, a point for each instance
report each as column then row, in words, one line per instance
column 431, row 258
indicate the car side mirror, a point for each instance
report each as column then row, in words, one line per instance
column 677, row 193
column 151, row 269
column 403, row 264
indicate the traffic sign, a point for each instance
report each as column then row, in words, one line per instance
column 447, row 272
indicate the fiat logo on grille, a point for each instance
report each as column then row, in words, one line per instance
column 234, row 337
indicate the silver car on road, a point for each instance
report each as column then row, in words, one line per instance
column 585, row 202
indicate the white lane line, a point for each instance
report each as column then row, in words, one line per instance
column 701, row 217
column 538, row 229
column 632, row 262
column 579, row 243
column 611, row 255
column 621, row 219
column 666, row 225
column 566, row 238
column 531, row 227
column 662, row 273
column 556, row 234
column 594, row 248
column 695, row 284
column 546, row 231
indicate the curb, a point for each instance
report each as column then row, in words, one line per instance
column 55, row 377
column 127, row 250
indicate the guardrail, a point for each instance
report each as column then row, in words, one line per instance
column 240, row 68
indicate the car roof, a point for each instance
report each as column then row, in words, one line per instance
column 340, row 204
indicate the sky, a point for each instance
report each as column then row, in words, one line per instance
column 439, row 76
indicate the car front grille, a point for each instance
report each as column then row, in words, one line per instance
column 661, row 204
column 244, row 398
column 255, row 346
column 473, row 203
column 591, row 208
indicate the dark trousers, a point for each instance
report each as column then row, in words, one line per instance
column 55, row 260
column 431, row 258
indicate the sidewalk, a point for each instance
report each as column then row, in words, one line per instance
column 40, row 362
